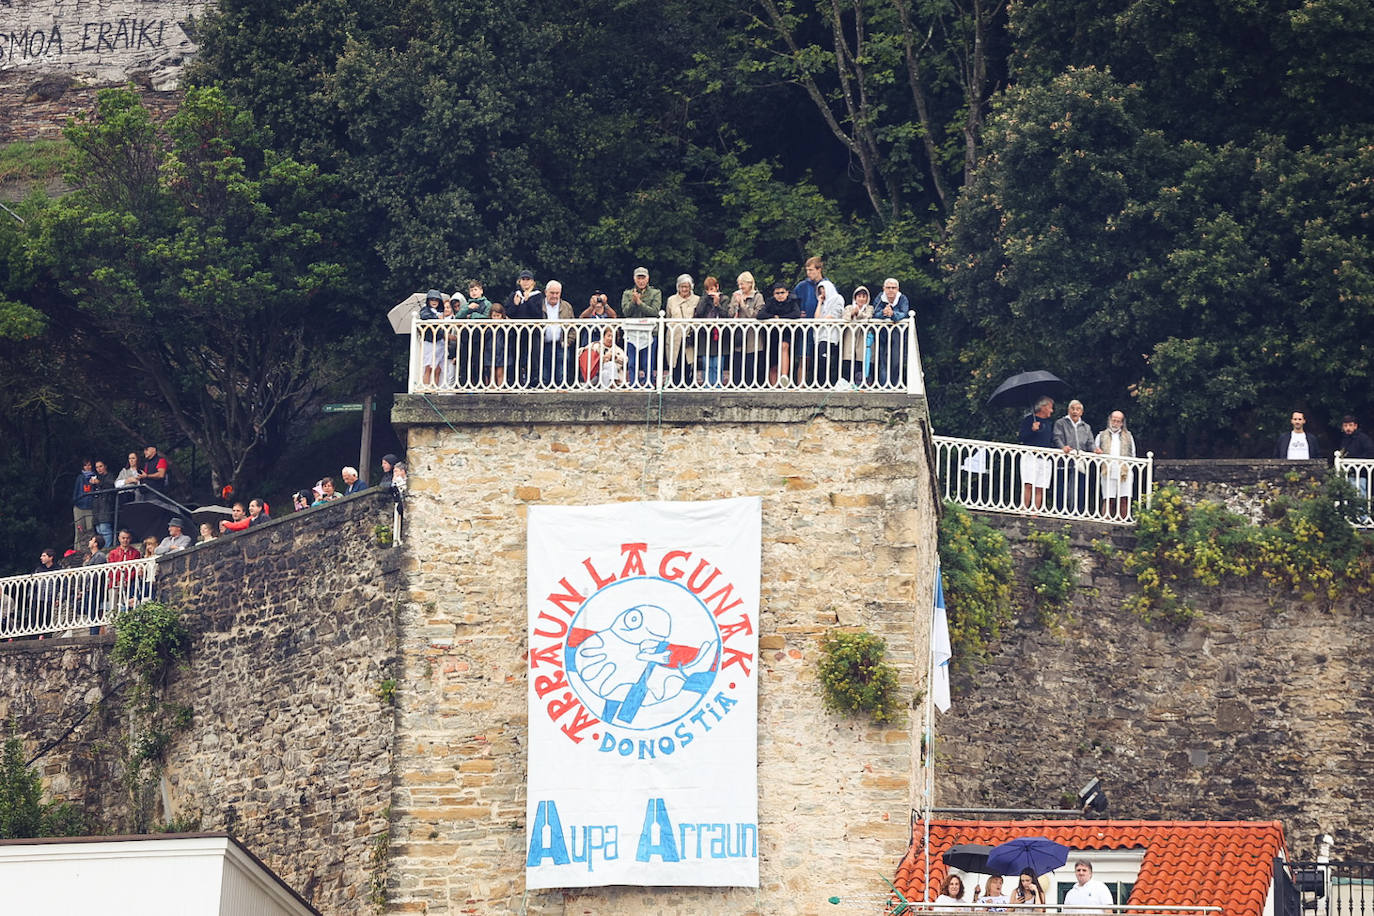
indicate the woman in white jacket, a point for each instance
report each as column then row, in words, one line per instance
column 829, row 309
column 1118, row 479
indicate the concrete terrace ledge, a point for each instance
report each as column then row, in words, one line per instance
column 639, row 406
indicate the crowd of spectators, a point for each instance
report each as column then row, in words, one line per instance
column 1078, row 484
column 723, row 345
column 95, row 543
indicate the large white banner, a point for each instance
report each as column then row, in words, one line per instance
column 643, row 694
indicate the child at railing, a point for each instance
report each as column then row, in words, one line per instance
column 603, row 364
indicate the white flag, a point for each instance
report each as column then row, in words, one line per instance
column 939, row 648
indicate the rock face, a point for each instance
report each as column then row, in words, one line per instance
column 105, row 41
column 54, row 55
column 1255, row 710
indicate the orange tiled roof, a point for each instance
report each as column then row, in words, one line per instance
column 1187, row 863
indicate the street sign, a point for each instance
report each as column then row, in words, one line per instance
column 342, row 408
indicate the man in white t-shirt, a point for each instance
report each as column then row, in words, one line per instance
column 1299, row 445
column 1088, row 891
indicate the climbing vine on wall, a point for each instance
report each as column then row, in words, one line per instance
column 1306, row 548
column 150, row 640
column 975, row 562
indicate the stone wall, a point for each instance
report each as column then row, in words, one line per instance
column 1255, row 710
column 848, row 539
column 1243, row 485
column 290, row 749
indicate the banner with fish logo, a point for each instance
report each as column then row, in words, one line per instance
column 643, row 694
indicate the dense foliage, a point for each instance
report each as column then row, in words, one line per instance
column 1307, row 547
column 855, row 676
column 23, row 813
column 975, row 563
column 1168, row 207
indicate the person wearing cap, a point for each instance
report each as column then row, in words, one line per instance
column 174, row 540
column 155, row 469
column 433, row 350
column 855, row 340
column 527, row 304
column 681, row 355
column 641, row 301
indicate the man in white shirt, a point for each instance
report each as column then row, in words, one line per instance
column 1299, row 445
column 554, row 364
column 1088, row 891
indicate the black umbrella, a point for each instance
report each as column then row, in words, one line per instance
column 1023, row 388
column 968, row 857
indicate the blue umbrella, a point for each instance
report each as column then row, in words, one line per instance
column 1039, row 854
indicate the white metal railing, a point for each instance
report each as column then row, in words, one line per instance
column 52, row 603
column 1360, row 473
column 1026, row 480
column 664, row 354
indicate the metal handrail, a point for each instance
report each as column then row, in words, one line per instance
column 52, row 603
column 992, row 477
column 1360, row 473
column 665, row 354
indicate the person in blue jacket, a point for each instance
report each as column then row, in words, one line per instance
column 892, row 305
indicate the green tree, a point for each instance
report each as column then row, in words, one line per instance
column 902, row 87
column 1047, row 240
column 1206, row 290
column 203, row 264
column 23, row 813
column 1214, row 70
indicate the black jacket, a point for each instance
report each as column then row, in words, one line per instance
column 1357, row 445
column 1314, row 448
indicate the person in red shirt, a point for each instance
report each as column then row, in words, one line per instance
column 125, row 550
column 155, row 469
column 122, row 580
column 239, row 522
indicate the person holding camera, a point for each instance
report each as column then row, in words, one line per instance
column 525, row 304
column 598, row 306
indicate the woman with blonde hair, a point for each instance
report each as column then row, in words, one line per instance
column 745, row 303
column 681, row 345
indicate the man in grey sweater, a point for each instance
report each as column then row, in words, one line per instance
column 1072, row 434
